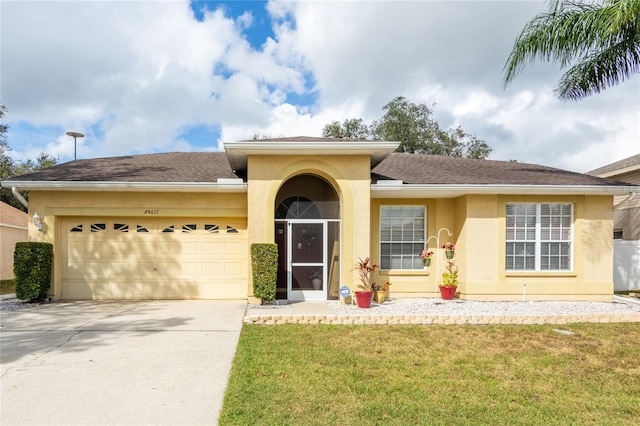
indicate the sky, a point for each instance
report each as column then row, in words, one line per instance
column 142, row 77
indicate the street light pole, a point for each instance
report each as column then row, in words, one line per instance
column 75, row 135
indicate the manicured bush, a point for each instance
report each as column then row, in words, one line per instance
column 264, row 266
column 32, row 264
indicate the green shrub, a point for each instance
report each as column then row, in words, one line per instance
column 32, row 264
column 264, row 266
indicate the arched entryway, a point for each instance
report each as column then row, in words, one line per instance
column 307, row 230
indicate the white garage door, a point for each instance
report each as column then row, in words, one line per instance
column 142, row 258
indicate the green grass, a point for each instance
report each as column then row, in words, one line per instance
column 435, row 375
column 7, row 286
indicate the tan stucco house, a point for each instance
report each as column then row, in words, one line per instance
column 179, row 225
column 13, row 229
column 626, row 212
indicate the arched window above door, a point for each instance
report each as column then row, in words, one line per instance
column 297, row 207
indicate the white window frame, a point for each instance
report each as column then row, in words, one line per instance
column 415, row 254
column 538, row 241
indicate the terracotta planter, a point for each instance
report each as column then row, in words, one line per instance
column 363, row 299
column 380, row 296
column 447, row 293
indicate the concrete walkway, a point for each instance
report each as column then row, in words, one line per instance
column 117, row 363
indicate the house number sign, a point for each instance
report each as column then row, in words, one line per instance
column 151, row 211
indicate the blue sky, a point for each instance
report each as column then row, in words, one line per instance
column 158, row 76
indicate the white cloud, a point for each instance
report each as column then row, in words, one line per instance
column 134, row 75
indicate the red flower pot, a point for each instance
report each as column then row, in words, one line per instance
column 447, row 293
column 363, row 299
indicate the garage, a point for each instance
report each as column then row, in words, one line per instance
column 154, row 258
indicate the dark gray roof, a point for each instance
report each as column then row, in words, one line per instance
column 166, row 167
column 436, row 169
column 634, row 160
column 410, row 168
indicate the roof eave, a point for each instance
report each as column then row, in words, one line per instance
column 452, row 191
column 238, row 152
column 618, row 172
column 126, row 186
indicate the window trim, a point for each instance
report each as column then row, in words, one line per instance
column 538, row 241
column 381, row 242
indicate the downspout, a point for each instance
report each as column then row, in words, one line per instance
column 19, row 197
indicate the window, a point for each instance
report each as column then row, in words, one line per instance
column 168, row 229
column 617, row 234
column 189, row 228
column 402, row 236
column 538, row 237
column 212, row 229
column 121, row 227
column 140, row 228
column 77, row 228
column 231, row 230
column 98, row 227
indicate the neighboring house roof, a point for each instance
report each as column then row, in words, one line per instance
column 11, row 216
column 619, row 167
column 437, row 169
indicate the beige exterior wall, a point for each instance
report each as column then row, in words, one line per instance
column 54, row 206
column 9, row 236
column 478, row 224
column 13, row 229
column 348, row 175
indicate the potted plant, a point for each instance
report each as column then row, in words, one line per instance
column 380, row 291
column 365, row 269
column 449, row 280
column 426, row 257
column 449, row 250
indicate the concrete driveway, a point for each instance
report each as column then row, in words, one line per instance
column 117, row 363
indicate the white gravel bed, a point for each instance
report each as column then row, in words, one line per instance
column 15, row 304
column 469, row 308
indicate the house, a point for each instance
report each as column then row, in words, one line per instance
column 626, row 212
column 13, row 229
column 180, row 225
column 626, row 223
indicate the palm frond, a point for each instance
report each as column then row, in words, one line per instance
column 588, row 35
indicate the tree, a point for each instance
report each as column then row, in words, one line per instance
column 10, row 168
column 411, row 124
column 415, row 127
column 598, row 41
column 351, row 128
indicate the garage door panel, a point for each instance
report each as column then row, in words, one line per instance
column 234, row 269
column 137, row 259
column 211, row 268
column 212, row 249
column 234, row 248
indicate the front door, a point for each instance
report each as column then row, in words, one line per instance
column 306, row 259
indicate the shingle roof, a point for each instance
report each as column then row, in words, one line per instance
column 166, row 167
column 410, row 168
column 435, row 169
column 634, row 160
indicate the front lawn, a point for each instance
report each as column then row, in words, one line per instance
column 7, row 286
column 430, row 375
